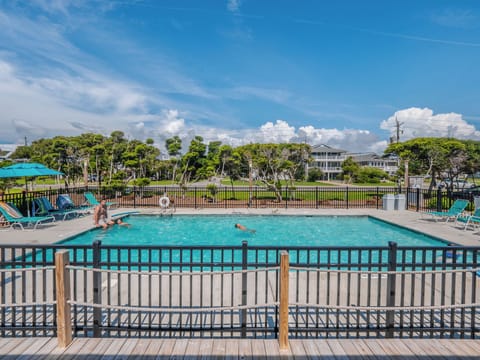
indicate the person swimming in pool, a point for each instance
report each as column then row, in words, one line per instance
column 244, row 228
column 120, row 222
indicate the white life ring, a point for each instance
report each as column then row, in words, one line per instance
column 164, row 202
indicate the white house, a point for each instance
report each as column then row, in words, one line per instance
column 329, row 160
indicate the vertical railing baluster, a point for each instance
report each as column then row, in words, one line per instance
column 391, row 283
column 243, row 312
column 97, row 289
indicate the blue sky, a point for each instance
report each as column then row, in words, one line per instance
column 240, row 71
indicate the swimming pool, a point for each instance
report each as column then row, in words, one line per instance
column 208, row 230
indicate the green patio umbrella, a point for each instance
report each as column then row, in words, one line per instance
column 27, row 170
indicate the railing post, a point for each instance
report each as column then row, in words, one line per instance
column 97, row 289
column 286, row 197
column 64, row 313
column 243, row 312
column 346, row 196
column 418, row 199
column 439, row 200
column 134, row 197
column 391, row 283
column 195, row 197
column 283, row 311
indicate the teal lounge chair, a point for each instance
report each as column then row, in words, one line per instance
column 15, row 217
column 455, row 211
column 92, row 200
column 470, row 220
column 43, row 207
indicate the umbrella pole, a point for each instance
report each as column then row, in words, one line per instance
column 26, row 197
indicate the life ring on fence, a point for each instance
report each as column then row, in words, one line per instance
column 164, row 202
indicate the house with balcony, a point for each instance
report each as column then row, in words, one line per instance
column 389, row 165
column 329, row 160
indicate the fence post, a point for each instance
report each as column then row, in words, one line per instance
column 283, row 311
column 134, row 197
column 439, row 200
column 418, row 199
column 97, row 289
column 391, row 283
column 346, row 196
column 195, row 197
column 377, row 196
column 243, row 312
column 316, row 197
column 64, row 313
column 286, row 197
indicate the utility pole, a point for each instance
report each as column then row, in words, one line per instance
column 398, row 129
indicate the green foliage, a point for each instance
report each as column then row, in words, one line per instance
column 370, row 175
column 142, row 182
column 314, row 174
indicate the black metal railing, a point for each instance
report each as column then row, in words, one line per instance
column 320, row 197
column 233, row 291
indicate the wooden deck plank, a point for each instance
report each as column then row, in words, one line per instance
column 324, row 350
column 396, row 347
column 101, row 345
column 23, row 346
column 219, row 348
column 297, row 349
column 140, row 348
column 179, row 348
column 462, row 347
column 6, row 344
column 128, row 348
column 206, row 348
column 357, row 347
column 244, row 349
column 153, row 349
column 272, row 348
column 44, row 350
column 435, row 349
column 232, row 350
column 258, row 349
column 337, row 349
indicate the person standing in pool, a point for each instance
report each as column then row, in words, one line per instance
column 244, row 228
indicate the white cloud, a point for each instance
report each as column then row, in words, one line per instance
column 233, row 5
column 417, row 122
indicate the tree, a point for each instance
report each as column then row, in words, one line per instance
column 350, row 169
column 173, row 146
column 438, row 157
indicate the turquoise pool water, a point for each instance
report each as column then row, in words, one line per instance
column 270, row 230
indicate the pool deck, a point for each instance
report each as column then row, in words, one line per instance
column 62, row 230
column 190, row 348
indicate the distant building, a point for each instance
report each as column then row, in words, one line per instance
column 329, row 160
column 389, row 165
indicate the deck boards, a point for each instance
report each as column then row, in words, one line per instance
column 184, row 348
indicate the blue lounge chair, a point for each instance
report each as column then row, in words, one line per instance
column 11, row 213
column 92, row 200
column 65, row 202
column 470, row 220
column 455, row 211
column 43, row 207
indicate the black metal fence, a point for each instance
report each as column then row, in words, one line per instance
column 233, row 291
column 319, row 197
